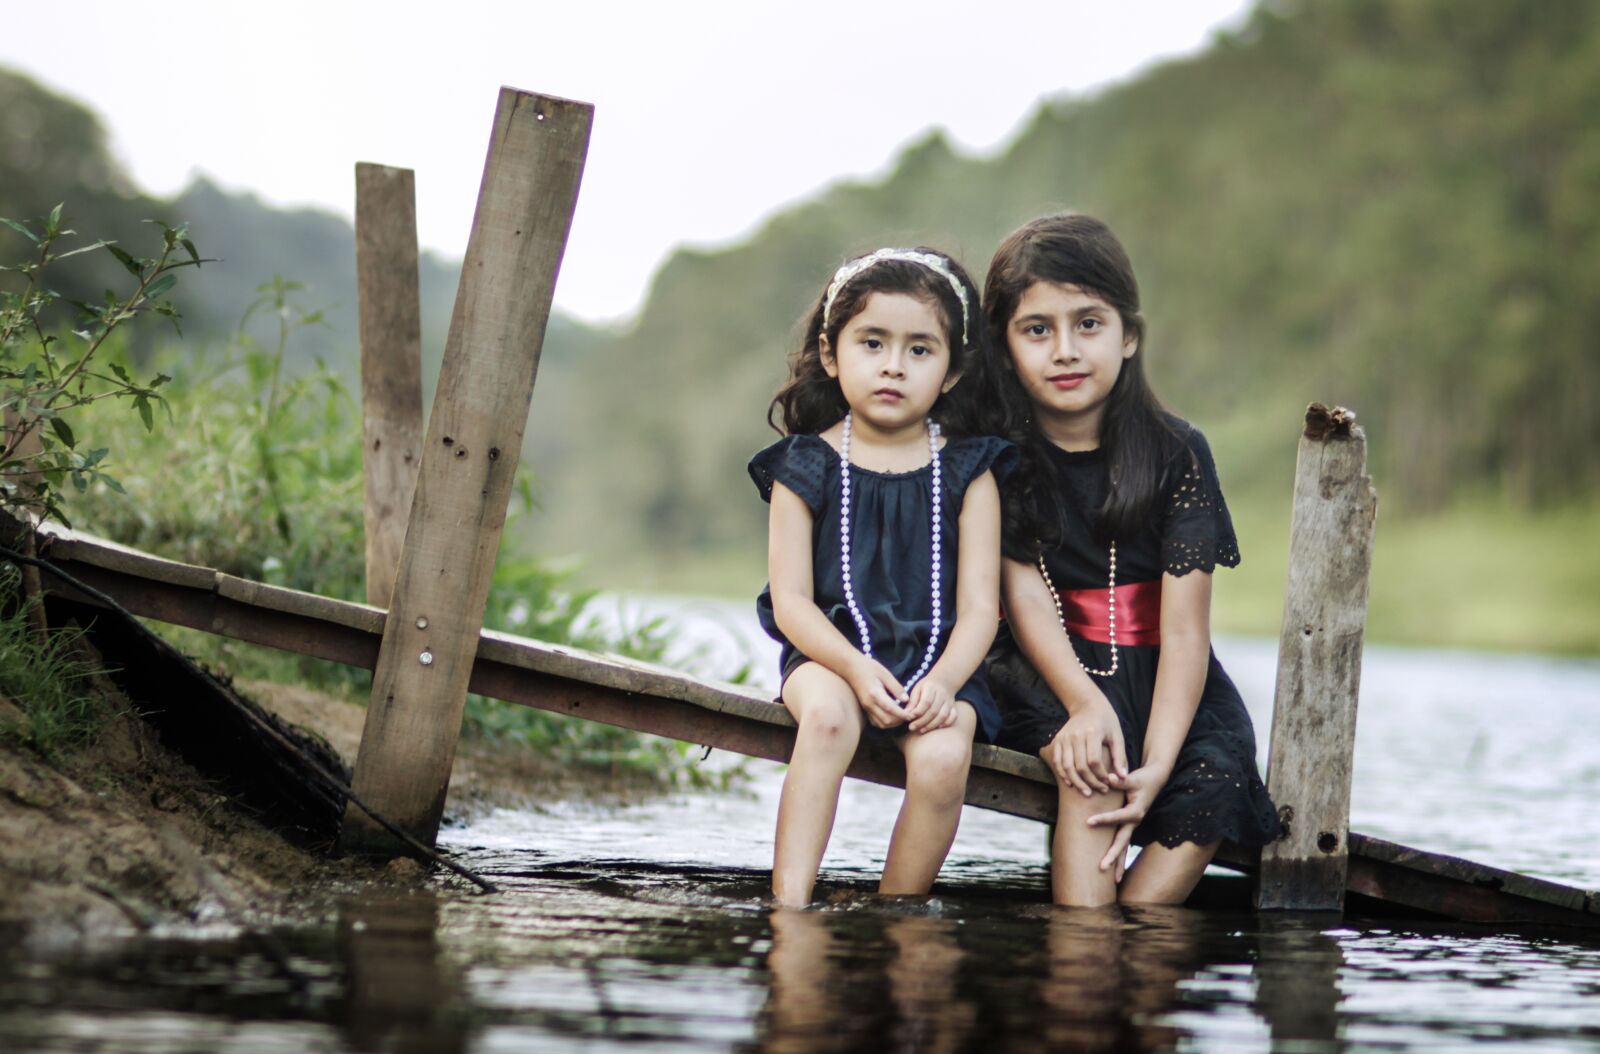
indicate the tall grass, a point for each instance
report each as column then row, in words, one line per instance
column 47, row 678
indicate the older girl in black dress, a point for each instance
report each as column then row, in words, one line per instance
column 1114, row 522
column 883, row 556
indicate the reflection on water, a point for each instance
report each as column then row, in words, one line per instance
column 649, row 924
column 400, row 993
column 581, row 956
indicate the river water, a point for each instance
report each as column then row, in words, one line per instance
column 646, row 926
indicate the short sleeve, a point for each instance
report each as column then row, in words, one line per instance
column 964, row 460
column 799, row 462
column 1196, row 530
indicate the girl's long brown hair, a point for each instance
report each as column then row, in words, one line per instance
column 1140, row 439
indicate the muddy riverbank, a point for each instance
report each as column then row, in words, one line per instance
column 122, row 836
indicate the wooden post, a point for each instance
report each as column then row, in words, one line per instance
column 480, row 409
column 1319, row 666
column 391, row 363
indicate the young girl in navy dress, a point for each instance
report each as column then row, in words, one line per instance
column 883, row 558
column 1113, row 524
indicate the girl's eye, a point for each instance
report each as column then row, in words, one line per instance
column 1036, row 330
column 1090, row 323
column 873, row 342
column 921, row 349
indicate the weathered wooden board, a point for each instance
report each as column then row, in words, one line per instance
column 732, row 717
column 1319, row 666
column 390, row 311
column 480, row 409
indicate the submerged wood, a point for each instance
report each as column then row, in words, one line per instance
column 648, row 698
column 480, row 409
column 1319, row 666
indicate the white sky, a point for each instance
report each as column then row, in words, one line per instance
column 709, row 115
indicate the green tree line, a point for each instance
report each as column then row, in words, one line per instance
column 1391, row 204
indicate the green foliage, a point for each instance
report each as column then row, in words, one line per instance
column 45, row 388
column 258, row 474
column 47, row 678
column 1383, row 203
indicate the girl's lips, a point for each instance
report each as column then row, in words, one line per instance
column 1067, row 381
column 888, row 393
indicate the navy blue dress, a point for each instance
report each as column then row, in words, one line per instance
column 891, row 540
column 1215, row 791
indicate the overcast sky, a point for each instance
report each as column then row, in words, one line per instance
column 708, row 117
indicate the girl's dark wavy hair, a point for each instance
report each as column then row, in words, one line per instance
column 810, row 401
column 1139, row 438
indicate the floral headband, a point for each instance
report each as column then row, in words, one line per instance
column 934, row 263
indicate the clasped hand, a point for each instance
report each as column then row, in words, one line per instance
column 929, row 704
column 1078, row 753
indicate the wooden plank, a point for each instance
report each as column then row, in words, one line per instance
column 391, row 363
column 507, row 667
column 767, row 735
column 1440, row 868
column 62, row 543
column 1319, row 666
column 310, row 606
column 525, row 205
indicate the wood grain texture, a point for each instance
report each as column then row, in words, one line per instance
column 480, row 409
column 391, row 363
column 1319, row 666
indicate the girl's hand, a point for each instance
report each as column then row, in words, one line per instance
column 1077, row 754
column 932, row 706
column 1141, row 786
column 878, row 692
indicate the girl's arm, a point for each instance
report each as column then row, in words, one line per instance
column 977, row 608
column 1180, row 678
column 1181, row 670
column 804, row 625
column 1077, row 752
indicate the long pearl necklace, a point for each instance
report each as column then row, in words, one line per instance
column 844, row 546
column 1111, row 611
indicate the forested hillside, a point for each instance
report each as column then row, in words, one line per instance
column 1390, row 203
column 53, row 150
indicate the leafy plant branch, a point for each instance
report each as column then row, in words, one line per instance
column 41, row 389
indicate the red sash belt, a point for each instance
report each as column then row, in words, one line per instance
column 1087, row 613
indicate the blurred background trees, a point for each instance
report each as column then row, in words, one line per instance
column 1393, row 204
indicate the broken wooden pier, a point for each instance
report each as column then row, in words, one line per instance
column 436, row 501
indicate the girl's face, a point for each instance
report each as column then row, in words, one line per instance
column 892, row 362
column 1067, row 346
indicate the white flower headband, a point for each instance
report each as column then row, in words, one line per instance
column 936, row 264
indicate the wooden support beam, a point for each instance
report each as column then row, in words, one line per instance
column 665, row 702
column 480, row 409
column 1319, row 666
column 391, row 363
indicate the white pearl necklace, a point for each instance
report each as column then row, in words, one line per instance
column 844, row 547
column 1111, row 611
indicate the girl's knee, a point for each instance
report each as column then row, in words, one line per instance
column 938, row 767
column 829, row 718
column 1072, row 805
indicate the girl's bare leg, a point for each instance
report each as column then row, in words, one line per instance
column 936, row 785
column 1165, row 876
column 1075, row 876
column 830, row 727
